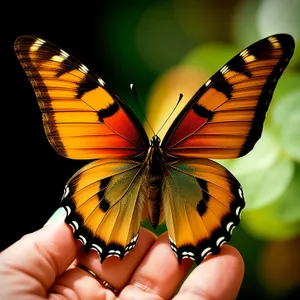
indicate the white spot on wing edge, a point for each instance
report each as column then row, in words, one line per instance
column 240, row 190
column 220, row 241
column 37, row 44
column 238, row 211
column 66, row 192
column 97, row 248
column 228, row 226
column 135, row 238
column 231, row 229
column 207, row 83
column 128, row 248
column 83, row 69
column 131, row 244
column 73, row 228
column 173, row 248
column 115, row 252
column 224, row 69
column 101, row 81
column 205, row 252
column 75, row 225
column 64, row 54
column 185, row 253
column 67, row 209
column 247, row 56
column 82, row 238
column 171, row 240
column 244, row 53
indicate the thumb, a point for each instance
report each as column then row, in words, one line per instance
column 38, row 257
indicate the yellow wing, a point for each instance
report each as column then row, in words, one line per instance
column 104, row 203
column 202, row 204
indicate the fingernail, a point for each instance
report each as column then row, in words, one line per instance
column 59, row 214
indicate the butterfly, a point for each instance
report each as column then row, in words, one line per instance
column 132, row 176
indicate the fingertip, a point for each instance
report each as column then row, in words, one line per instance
column 229, row 255
column 58, row 215
column 217, row 277
column 236, row 256
column 159, row 274
column 60, row 243
column 53, row 244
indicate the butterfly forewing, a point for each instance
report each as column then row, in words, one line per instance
column 82, row 119
column 224, row 119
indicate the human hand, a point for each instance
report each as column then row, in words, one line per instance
column 43, row 265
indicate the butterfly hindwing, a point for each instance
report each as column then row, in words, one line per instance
column 104, row 203
column 82, row 119
column 224, row 119
column 202, row 205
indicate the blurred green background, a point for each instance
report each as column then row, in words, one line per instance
column 166, row 48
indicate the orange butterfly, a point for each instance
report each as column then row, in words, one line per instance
column 172, row 180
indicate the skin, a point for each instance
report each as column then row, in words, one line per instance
column 42, row 265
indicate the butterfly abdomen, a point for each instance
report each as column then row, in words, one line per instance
column 154, row 176
column 154, row 195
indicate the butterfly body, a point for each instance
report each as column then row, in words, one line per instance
column 172, row 179
column 154, row 176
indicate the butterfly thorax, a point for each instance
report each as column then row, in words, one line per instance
column 154, row 175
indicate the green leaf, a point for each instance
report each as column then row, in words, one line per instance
column 267, row 185
column 210, row 56
column 261, row 224
column 287, row 207
column 285, row 117
column 264, row 154
column 280, row 219
column 263, row 173
column 288, row 82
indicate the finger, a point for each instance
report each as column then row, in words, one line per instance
column 113, row 270
column 218, row 277
column 38, row 258
column 159, row 275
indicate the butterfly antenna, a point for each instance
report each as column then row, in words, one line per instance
column 179, row 99
column 132, row 87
